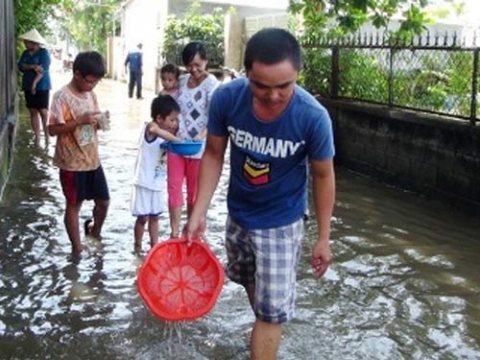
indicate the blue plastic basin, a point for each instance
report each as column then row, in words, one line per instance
column 185, row 147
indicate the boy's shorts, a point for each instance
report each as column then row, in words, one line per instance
column 78, row 186
column 266, row 259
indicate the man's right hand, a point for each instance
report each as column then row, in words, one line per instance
column 195, row 228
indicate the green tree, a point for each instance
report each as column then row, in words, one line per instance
column 327, row 21
column 340, row 17
column 86, row 22
column 194, row 25
column 33, row 14
column 89, row 23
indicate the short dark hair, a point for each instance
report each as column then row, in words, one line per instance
column 163, row 105
column 170, row 69
column 270, row 46
column 89, row 63
column 191, row 49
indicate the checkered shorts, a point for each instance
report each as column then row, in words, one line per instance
column 266, row 259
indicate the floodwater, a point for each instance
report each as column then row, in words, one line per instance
column 404, row 284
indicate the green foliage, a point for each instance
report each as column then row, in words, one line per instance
column 362, row 74
column 88, row 23
column 195, row 26
column 433, row 80
column 437, row 81
column 349, row 15
column 33, row 14
column 443, row 83
column 316, row 73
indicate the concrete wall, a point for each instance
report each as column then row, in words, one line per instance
column 234, row 41
column 178, row 7
column 142, row 22
column 435, row 156
column 236, row 34
column 145, row 21
column 240, row 27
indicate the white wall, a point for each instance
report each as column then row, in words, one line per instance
column 140, row 24
column 145, row 20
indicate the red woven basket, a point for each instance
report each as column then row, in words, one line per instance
column 178, row 282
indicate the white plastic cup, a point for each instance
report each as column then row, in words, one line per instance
column 104, row 120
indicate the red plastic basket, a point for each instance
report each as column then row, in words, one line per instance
column 179, row 282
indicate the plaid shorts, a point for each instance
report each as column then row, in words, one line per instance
column 266, row 259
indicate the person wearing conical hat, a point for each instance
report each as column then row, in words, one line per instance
column 34, row 63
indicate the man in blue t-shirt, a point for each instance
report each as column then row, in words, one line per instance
column 134, row 61
column 280, row 138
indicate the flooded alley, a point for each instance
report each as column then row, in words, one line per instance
column 404, row 283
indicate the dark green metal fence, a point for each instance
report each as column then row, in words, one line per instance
column 8, row 88
column 8, row 79
column 437, row 74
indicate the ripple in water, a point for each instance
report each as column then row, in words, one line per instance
column 403, row 285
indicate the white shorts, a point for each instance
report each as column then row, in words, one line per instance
column 146, row 202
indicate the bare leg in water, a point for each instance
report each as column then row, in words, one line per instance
column 265, row 337
column 35, row 123
column 38, row 119
column 175, row 214
column 44, row 118
column 99, row 214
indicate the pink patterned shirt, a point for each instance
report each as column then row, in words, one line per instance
column 76, row 150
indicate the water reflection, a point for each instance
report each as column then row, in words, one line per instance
column 404, row 284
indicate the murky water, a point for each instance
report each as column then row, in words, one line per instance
column 404, row 284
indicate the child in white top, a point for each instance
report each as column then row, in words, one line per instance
column 148, row 194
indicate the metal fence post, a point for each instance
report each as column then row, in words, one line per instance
column 473, row 105
column 335, row 78
column 390, row 77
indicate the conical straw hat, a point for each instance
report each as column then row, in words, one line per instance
column 33, row 36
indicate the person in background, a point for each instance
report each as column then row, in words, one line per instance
column 134, row 61
column 34, row 63
column 194, row 94
column 147, row 201
column 74, row 120
column 169, row 75
column 279, row 135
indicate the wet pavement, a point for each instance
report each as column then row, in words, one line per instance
column 404, row 284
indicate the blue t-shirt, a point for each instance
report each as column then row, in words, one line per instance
column 41, row 57
column 134, row 61
column 269, row 159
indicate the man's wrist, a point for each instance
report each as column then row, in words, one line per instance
column 323, row 239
